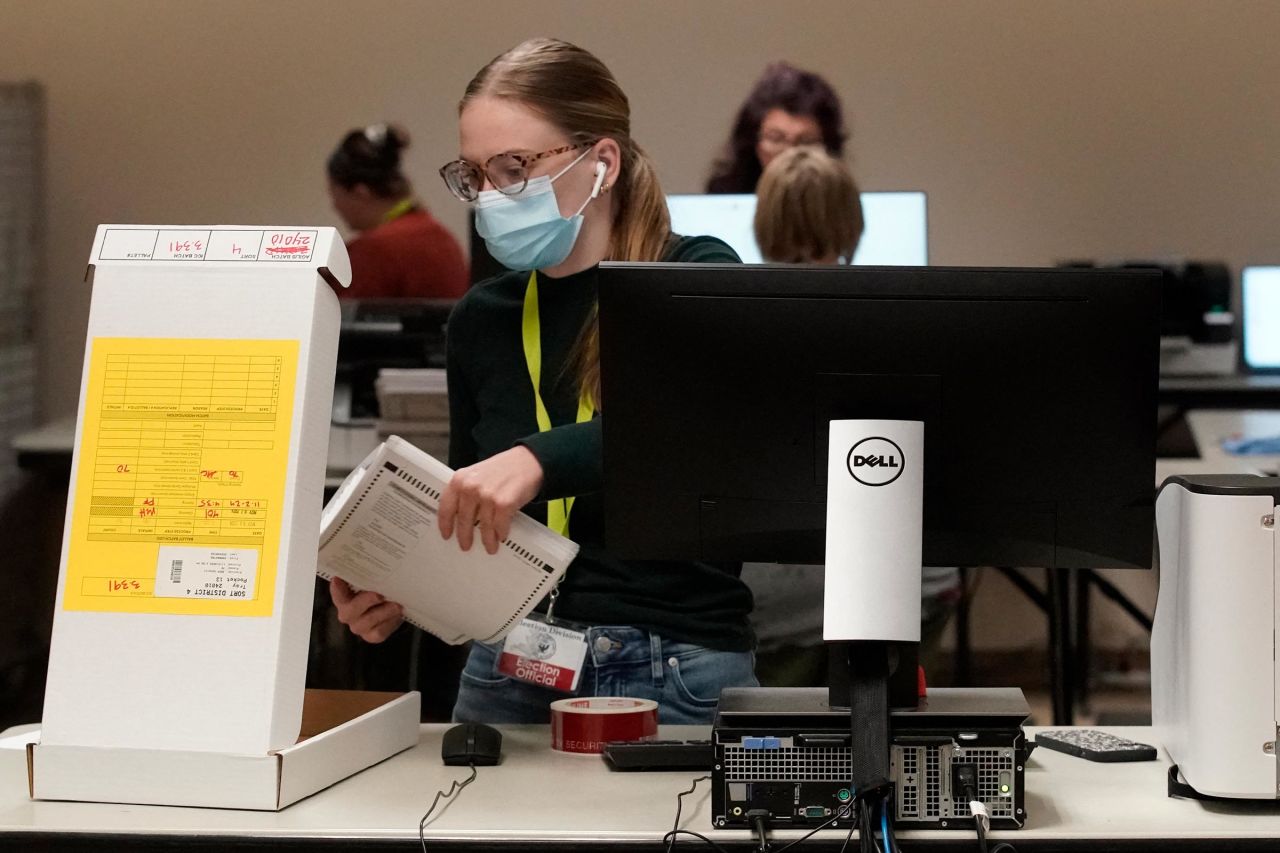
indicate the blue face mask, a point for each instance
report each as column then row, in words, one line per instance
column 526, row 231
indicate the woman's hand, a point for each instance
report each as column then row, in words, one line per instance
column 489, row 494
column 369, row 616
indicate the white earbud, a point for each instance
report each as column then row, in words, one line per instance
column 601, row 168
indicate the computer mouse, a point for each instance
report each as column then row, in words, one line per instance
column 472, row 743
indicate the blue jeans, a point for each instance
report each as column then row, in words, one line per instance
column 684, row 679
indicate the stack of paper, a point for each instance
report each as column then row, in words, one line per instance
column 379, row 533
column 414, row 404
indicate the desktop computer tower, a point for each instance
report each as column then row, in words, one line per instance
column 787, row 751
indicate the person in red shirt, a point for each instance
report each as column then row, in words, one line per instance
column 400, row 250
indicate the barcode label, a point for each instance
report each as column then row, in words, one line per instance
column 209, row 573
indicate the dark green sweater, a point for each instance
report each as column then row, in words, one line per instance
column 491, row 409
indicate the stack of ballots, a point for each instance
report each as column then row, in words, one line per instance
column 414, row 405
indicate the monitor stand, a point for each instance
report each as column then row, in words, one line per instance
column 871, row 599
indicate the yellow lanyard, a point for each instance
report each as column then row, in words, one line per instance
column 402, row 207
column 531, row 331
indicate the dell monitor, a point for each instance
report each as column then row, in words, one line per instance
column 1036, row 387
column 895, row 225
column 1022, row 402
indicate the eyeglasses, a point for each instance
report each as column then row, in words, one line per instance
column 777, row 140
column 507, row 172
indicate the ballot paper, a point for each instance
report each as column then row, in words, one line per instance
column 379, row 533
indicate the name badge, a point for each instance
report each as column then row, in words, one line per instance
column 547, row 655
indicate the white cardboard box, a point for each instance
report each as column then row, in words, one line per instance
column 353, row 730
column 179, row 650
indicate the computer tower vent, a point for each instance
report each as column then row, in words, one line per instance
column 929, row 797
column 787, row 764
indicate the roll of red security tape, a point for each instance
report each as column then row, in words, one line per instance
column 587, row 724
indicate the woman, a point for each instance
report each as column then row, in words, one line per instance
column 400, row 249
column 558, row 186
column 787, row 107
column 808, row 209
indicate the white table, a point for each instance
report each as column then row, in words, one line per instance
column 1209, row 427
column 541, row 799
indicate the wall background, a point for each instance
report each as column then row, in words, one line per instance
column 1041, row 131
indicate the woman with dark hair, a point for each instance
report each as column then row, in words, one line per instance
column 787, row 107
column 400, row 249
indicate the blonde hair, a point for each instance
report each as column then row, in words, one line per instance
column 807, row 208
column 577, row 93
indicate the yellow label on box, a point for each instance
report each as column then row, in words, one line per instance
column 179, row 486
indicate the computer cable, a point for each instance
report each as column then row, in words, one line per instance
column 842, row 812
column 886, row 828
column 966, row 779
column 1002, row 847
column 849, row 836
column 760, row 823
column 867, row 828
column 967, row 775
column 670, row 838
column 454, row 788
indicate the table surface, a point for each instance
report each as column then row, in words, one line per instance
column 539, row 796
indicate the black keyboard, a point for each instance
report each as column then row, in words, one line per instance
column 660, row 754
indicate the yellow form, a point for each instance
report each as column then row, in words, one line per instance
column 184, row 448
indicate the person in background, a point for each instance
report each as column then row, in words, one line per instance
column 787, row 107
column 558, row 185
column 808, row 211
column 400, row 250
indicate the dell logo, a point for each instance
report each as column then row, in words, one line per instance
column 875, row 461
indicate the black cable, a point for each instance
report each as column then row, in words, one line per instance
column 848, row 837
column 671, row 834
column 454, row 788
column 675, row 826
column 979, row 823
column 759, row 822
column 843, row 811
column 1003, row 845
column 862, row 826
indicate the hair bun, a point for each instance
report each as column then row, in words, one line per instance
column 388, row 138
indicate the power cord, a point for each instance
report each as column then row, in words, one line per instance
column 454, row 788
column 759, row 819
column 670, row 838
column 967, row 776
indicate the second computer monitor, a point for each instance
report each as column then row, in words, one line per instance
column 895, row 230
column 1260, row 318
